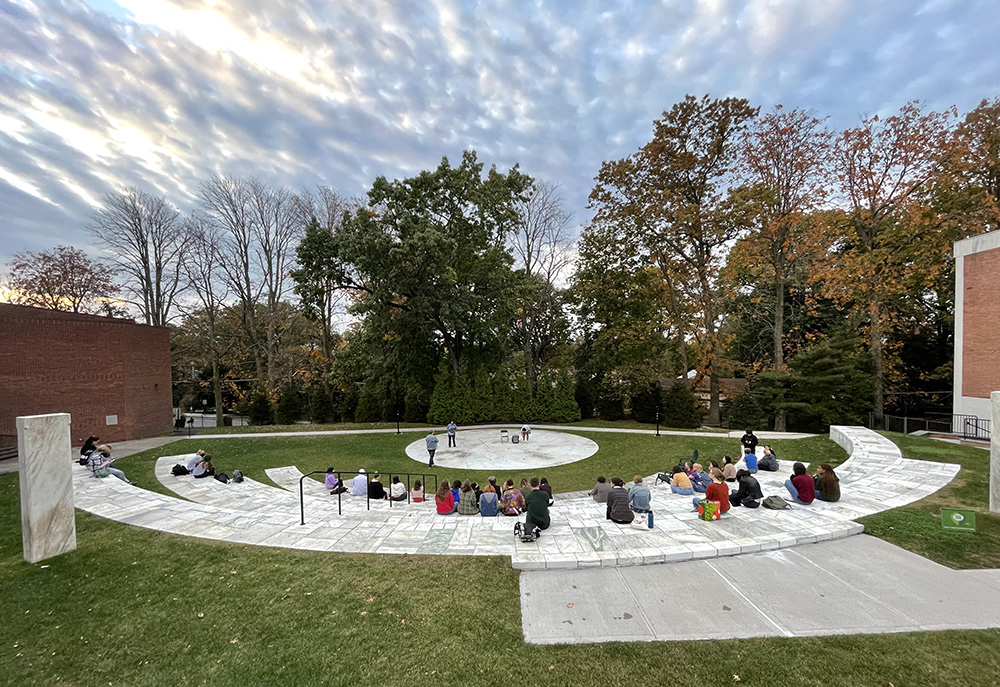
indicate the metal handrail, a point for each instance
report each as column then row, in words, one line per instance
column 340, row 511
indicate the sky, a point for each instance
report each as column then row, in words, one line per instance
column 96, row 95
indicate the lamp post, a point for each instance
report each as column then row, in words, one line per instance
column 397, row 422
column 657, row 421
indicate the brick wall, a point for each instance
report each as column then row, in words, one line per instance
column 981, row 324
column 88, row 366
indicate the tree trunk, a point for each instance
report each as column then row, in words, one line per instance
column 779, row 335
column 875, row 332
column 217, row 387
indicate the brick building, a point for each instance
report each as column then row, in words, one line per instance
column 112, row 376
column 977, row 324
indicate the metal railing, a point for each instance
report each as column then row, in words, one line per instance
column 422, row 475
column 965, row 426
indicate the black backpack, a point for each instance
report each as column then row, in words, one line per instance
column 178, row 470
column 222, row 477
column 237, row 476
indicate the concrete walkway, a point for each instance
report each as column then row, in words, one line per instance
column 859, row 585
column 875, row 478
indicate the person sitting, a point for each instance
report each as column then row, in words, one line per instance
column 717, row 491
column 826, row 483
column 680, row 483
column 543, row 485
column 443, row 499
column 203, row 468
column 512, row 502
column 488, row 502
column 88, row 447
column 194, row 459
column 417, row 493
column 639, row 496
column 376, row 490
column 800, row 486
column 768, row 461
column 600, row 490
column 492, row 481
column 618, row 509
column 536, row 507
column 728, row 469
column 749, row 494
column 101, row 464
column 699, row 479
column 359, row 485
column 525, row 488
column 456, row 487
column 397, row 490
column 333, row 482
column 751, row 461
column 467, row 503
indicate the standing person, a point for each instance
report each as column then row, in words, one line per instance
column 432, row 443
column 451, row 429
column 801, row 486
column 827, row 483
column 717, row 491
column 512, row 502
column 525, row 432
column 618, row 509
column 749, row 441
column 537, row 508
column 600, row 490
column 102, row 464
column 376, row 490
column 639, row 496
column 359, row 485
column 397, row 490
column 749, row 494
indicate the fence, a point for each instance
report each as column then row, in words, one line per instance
column 965, row 426
column 404, row 476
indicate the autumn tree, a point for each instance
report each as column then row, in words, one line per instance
column 885, row 245
column 61, row 279
column 675, row 191
column 147, row 241
column 783, row 165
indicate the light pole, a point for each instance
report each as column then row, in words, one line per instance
column 657, row 421
column 397, row 422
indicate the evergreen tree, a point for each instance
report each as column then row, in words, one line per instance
column 321, row 405
column 261, row 412
column 370, row 405
column 745, row 411
column 442, row 405
column 564, row 406
column 681, row 408
column 646, row 402
column 289, row 408
column 610, row 407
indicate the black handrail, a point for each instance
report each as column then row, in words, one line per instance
column 302, row 501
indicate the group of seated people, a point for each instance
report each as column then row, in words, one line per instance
column 467, row 498
column 373, row 488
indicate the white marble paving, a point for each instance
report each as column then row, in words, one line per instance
column 482, row 449
column 875, row 478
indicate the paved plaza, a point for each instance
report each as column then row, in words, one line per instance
column 874, row 478
column 486, row 449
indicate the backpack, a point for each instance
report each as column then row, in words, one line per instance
column 222, row 477
column 237, row 476
column 524, row 534
column 178, row 470
column 775, row 503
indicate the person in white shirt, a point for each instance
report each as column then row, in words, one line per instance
column 359, row 485
column 397, row 490
column 194, row 459
column 525, row 432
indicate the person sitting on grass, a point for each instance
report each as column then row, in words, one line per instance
column 376, row 490
column 445, row 503
column 512, row 502
column 600, row 490
column 467, row 504
column 639, row 496
column 536, row 507
column 768, row 461
column 333, row 482
column 680, row 483
column 801, row 486
column 397, row 490
column 359, row 485
column 618, row 509
column 101, row 464
column 488, row 502
column 749, row 494
column 417, row 493
column 728, row 469
column 203, row 468
column 827, row 483
column 717, row 491
column 543, row 485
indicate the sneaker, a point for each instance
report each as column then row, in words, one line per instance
column 517, row 529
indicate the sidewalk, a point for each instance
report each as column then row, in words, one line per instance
column 858, row 585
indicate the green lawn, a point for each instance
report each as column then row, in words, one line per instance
column 138, row 607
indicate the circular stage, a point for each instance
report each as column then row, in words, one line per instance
column 480, row 449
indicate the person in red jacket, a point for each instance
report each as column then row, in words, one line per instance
column 444, row 500
column 716, row 491
column 801, row 486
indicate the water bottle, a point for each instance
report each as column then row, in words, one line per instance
column 650, row 514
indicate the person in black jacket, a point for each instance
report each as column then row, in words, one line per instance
column 749, row 441
column 749, row 494
column 376, row 490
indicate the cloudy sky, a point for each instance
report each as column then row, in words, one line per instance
column 161, row 94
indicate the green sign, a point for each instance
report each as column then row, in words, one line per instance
column 964, row 520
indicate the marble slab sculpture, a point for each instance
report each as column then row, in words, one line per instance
column 48, row 525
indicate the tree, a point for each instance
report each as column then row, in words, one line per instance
column 148, row 242
column 673, row 191
column 886, row 245
column 681, row 408
column 783, row 160
column 61, row 279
